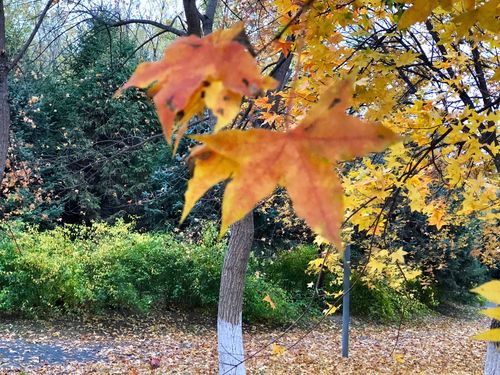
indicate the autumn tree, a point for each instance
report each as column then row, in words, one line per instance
column 426, row 71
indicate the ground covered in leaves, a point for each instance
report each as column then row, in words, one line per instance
column 181, row 344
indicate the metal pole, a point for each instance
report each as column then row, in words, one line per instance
column 345, row 302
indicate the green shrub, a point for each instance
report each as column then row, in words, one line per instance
column 74, row 269
column 99, row 267
column 256, row 309
column 288, row 268
column 384, row 304
column 42, row 272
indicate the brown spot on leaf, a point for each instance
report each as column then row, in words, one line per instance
column 334, row 103
column 179, row 115
column 170, row 103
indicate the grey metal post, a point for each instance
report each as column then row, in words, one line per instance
column 345, row 302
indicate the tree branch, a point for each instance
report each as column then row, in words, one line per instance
column 159, row 25
column 26, row 45
column 193, row 17
column 207, row 20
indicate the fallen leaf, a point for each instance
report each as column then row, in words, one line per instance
column 399, row 358
column 277, row 349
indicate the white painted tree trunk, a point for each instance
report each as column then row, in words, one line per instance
column 492, row 363
column 230, row 348
column 232, row 284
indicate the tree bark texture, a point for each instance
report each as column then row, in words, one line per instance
column 4, row 118
column 5, row 67
column 229, row 319
column 4, row 95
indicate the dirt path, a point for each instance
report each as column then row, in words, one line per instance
column 119, row 345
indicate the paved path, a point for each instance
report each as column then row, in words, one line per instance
column 16, row 354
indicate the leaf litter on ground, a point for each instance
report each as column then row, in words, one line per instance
column 179, row 343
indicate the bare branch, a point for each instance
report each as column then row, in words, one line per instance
column 24, row 48
column 159, row 25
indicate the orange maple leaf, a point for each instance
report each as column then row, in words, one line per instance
column 268, row 299
column 282, row 46
column 214, row 71
column 302, row 160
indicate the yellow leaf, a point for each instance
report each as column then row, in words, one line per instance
column 490, row 335
column 398, row 256
column 490, row 291
column 446, row 4
column 318, row 240
column 492, row 313
column 210, row 169
column 331, row 309
column 406, row 58
column 419, row 12
column 399, row 357
column 496, row 75
column 224, row 103
column 411, row 275
column 375, row 266
column 268, row 299
column 277, row 349
column 469, row 4
column 437, row 216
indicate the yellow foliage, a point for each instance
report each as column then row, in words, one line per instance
column 490, row 291
column 277, row 349
column 490, row 335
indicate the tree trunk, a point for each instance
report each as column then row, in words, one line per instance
column 229, row 329
column 4, row 96
column 4, row 120
column 492, row 362
column 5, row 67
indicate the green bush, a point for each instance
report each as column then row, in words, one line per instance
column 99, row 267
column 75, row 269
column 288, row 268
column 384, row 304
column 256, row 309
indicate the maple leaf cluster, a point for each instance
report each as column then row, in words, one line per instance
column 302, row 160
column 255, row 161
